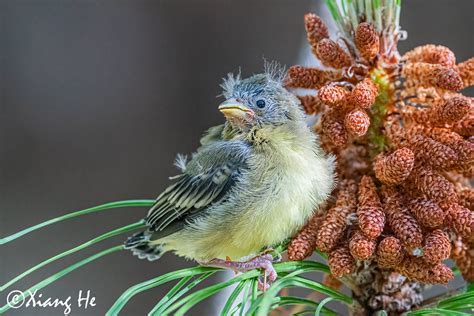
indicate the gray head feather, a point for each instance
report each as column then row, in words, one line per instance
column 265, row 95
column 273, row 76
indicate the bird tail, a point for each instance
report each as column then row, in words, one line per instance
column 141, row 246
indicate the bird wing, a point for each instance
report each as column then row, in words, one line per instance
column 213, row 176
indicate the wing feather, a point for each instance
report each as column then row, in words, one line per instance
column 192, row 193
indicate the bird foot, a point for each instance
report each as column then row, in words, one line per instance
column 263, row 261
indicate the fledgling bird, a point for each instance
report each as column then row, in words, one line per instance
column 253, row 183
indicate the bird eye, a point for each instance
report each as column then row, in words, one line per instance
column 261, row 104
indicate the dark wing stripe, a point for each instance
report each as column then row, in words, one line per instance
column 172, row 217
column 163, row 197
column 162, row 212
column 203, row 189
column 189, row 189
column 162, row 205
column 182, row 188
column 189, row 195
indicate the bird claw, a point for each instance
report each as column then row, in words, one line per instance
column 263, row 261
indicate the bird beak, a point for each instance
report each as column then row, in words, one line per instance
column 233, row 109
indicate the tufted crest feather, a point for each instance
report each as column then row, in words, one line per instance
column 273, row 76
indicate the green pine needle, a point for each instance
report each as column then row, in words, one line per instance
column 73, row 250
column 60, row 274
column 263, row 308
column 234, row 295
column 459, row 302
column 321, row 305
column 103, row 207
column 161, row 308
column 173, row 303
column 454, row 305
column 140, row 287
column 437, row 311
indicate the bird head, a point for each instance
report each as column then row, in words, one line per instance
column 258, row 101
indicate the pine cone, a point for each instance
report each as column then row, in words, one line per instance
column 395, row 168
column 364, row 94
column 437, row 247
column 464, row 149
column 417, row 269
column 432, row 54
column 334, row 128
column 466, row 71
column 357, row 122
column 334, row 96
column 389, row 252
column 400, row 220
column 332, row 55
column 367, row 41
column 303, row 244
column 433, row 153
column 461, row 221
column 361, row 247
column 427, row 212
column 309, row 78
column 463, row 255
column 369, row 211
column 433, row 75
column 451, row 111
column 341, row 262
column 316, row 29
column 335, row 223
column 312, row 104
column 434, row 185
column 466, row 198
column 465, row 127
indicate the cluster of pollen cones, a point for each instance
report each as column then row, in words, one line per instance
column 404, row 140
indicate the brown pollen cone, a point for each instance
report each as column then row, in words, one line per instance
column 303, row 244
column 369, row 211
column 361, row 247
column 394, row 168
column 452, row 110
column 432, row 153
column 316, row 29
column 427, row 212
column 400, row 220
column 333, row 127
column 466, row 198
column 367, row 41
column 364, row 94
column 461, row 221
column 341, row 262
column 334, row 96
column 433, row 75
column 335, row 223
column 465, row 126
column 463, row 255
column 417, row 269
column 437, row 247
column 309, row 78
column 389, row 252
column 312, row 104
column 357, row 122
column 466, row 71
column 432, row 54
column 433, row 185
column 332, row 55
